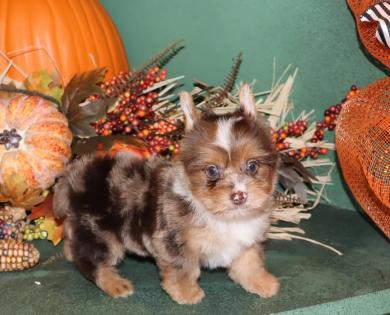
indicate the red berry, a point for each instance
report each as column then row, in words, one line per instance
column 320, row 125
column 323, row 151
column 331, row 127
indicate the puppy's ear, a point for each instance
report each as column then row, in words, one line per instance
column 189, row 110
column 247, row 101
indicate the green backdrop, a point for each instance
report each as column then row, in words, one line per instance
column 317, row 36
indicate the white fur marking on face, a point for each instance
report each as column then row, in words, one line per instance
column 223, row 137
column 181, row 188
column 239, row 187
column 180, row 185
column 238, row 184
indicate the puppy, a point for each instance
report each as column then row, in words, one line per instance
column 209, row 207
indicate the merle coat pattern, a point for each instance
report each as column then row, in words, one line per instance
column 209, row 207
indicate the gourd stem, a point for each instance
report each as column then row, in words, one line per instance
column 9, row 89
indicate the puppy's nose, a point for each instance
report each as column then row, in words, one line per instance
column 239, row 197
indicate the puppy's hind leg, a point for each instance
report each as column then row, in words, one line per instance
column 67, row 236
column 108, row 279
column 96, row 255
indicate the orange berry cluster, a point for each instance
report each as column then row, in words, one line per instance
column 117, row 85
column 134, row 113
column 297, row 128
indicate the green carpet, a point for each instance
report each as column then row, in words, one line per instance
column 310, row 275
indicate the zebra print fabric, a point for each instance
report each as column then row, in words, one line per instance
column 379, row 13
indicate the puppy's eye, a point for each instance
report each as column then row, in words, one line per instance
column 251, row 167
column 212, row 172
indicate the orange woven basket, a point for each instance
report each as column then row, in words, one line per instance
column 363, row 149
column 367, row 31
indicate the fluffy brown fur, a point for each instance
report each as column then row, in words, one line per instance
column 209, row 207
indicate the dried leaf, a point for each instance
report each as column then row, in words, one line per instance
column 80, row 87
column 41, row 81
column 291, row 181
column 80, row 117
column 53, row 229
column 51, row 225
column 293, row 176
column 6, row 89
column 289, row 162
column 45, row 209
column 80, row 112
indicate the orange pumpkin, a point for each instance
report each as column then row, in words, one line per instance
column 122, row 147
column 67, row 36
column 34, row 148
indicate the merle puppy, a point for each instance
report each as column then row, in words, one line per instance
column 209, row 207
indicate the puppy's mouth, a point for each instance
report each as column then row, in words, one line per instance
column 235, row 212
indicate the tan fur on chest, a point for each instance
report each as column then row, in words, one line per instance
column 218, row 243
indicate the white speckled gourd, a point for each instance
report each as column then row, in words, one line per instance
column 34, row 148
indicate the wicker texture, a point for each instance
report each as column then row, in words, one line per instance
column 363, row 148
column 367, row 31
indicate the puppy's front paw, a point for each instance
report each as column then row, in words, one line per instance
column 184, row 294
column 193, row 296
column 266, row 286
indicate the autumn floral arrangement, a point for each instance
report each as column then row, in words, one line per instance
column 43, row 125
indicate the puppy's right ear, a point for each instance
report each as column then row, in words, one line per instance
column 189, row 110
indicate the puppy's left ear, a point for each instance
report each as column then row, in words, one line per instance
column 189, row 110
column 247, row 101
